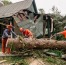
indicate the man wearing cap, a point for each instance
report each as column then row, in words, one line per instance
column 63, row 32
column 26, row 32
column 6, row 34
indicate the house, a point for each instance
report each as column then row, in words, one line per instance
column 22, row 14
column 9, row 12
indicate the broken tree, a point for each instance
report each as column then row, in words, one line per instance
column 35, row 43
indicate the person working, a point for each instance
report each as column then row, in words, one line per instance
column 63, row 32
column 6, row 34
column 27, row 33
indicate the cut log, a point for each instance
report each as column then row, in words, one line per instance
column 36, row 43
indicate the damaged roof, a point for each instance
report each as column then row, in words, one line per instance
column 9, row 10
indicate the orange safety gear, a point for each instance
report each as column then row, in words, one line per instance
column 9, row 26
column 21, row 29
column 4, row 49
column 63, row 33
column 3, row 44
column 27, row 33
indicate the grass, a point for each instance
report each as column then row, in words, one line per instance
column 39, row 54
column 55, row 61
column 58, row 52
column 19, row 60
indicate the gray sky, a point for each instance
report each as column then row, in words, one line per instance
column 47, row 5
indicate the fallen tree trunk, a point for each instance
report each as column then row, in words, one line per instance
column 35, row 43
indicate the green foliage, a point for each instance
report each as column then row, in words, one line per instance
column 11, row 46
column 55, row 61
column 59, row 22
column 38, row 53
column 50, row 59
column 60, row 37
column 6, row 2
column 59, row 53
column 17, row 60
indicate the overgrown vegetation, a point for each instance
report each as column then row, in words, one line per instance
column 59, row 22
column 52, row 60
column 55, row 61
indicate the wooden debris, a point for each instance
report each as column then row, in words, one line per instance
column 3, row 61
column 50, row 53
column 63, row 56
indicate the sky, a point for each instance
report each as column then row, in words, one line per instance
column 48, row 4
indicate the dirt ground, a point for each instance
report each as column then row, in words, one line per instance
column 38, row 61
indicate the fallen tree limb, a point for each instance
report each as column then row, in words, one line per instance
column 35, row 43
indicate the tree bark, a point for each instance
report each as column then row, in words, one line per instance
column 36, row 43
